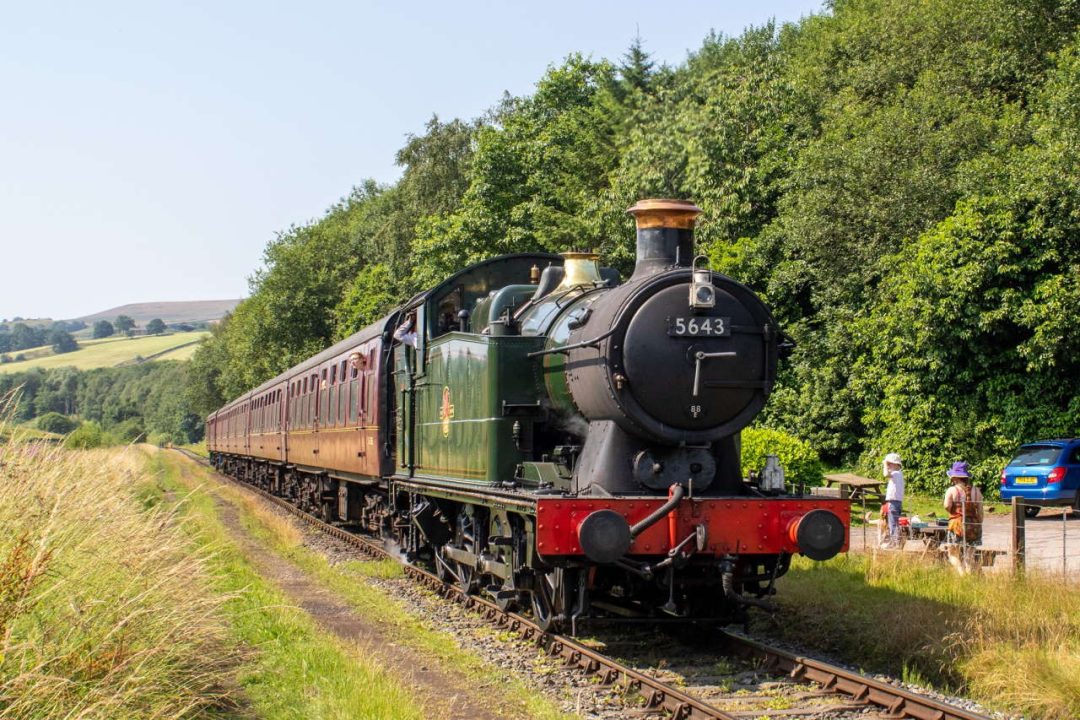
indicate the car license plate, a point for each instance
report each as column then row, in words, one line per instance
column 1026, row 480
column 699, row 326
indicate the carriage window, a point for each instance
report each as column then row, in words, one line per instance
column 354, row 400
column 333, row 374
column 342, row 401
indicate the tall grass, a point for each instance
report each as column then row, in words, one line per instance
column 105, row 611
column 1014, row 645
column 292, row 668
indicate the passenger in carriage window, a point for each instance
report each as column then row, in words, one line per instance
column 356, row 363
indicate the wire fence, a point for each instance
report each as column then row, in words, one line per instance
column 981, row 536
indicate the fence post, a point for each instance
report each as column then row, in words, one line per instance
column 1018, row 537
column 1064, row 554
column 865, row 522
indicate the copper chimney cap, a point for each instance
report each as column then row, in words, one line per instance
column 665, row 213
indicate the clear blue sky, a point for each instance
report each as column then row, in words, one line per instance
column 150, row 150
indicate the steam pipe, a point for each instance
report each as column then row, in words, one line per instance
column 677, row 492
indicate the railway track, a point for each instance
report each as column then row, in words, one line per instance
column 858, row 692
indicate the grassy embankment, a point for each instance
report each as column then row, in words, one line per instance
column 110, row 352
column 1013, row 645
column 104, row 607
column 119, row 599
column 297, row 670
column 346, row 581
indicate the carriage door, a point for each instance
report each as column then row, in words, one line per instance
column 406, row 370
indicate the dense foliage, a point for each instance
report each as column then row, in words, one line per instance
column 130, row 403
column 21, row 336
column 900, row 180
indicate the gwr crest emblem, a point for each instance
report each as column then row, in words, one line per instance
column 446, row 412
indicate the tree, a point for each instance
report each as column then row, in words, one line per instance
column 24, row 336
column 54, row 422
column 124, row 324
column 636, row 68
column 62, row 342
column 155, row 326
column 102, row 329
column 370, row 296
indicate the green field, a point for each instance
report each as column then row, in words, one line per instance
column 110, row 352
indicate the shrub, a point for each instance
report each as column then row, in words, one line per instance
column 54, row 422
column 130, row 430
column 89, row 435
column 160, row 439
column 800, row 461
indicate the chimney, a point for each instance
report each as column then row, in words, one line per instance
column 665, row 235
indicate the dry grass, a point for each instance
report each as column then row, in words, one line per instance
column 105, row 611
column 1013, row 645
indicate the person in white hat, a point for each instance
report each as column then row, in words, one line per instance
column 894, row 497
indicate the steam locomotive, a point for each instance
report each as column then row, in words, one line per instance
column 540, row 432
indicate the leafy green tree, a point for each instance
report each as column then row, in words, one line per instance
column 62, row 342
column 24, row 336
column 155, row 326
column 370, row 296
column 124, row 324
column 102, row 329
column 54, row 422
column 537, row 174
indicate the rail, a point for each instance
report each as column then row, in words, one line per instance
column 899, row 702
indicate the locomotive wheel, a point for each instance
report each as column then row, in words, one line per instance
column 552, row 599
column 465, row 539
column 505, row 592
column 442, row 567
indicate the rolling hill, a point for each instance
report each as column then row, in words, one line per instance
column 170, row 312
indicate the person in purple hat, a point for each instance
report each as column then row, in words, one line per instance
column 964, row 503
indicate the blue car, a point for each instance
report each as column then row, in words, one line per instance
column 1044, row 474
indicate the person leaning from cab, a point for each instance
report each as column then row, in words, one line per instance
column 964, row 503
column 406, row 331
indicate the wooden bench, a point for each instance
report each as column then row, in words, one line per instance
column 857, row 488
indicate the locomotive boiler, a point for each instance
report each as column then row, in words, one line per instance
column 551, row 436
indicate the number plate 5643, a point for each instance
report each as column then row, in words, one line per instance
column 699, row 326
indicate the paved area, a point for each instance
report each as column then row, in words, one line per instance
column 1053, row 540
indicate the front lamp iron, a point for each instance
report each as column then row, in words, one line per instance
column 702, row 291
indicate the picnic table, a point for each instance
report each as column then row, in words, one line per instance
column 932, row 535
column 934, row 538
column 856, row 487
